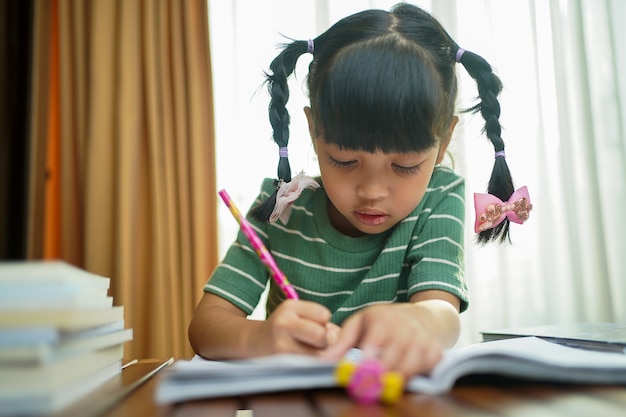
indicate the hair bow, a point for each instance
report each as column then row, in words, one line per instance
column 288, row 192
column 491, row 211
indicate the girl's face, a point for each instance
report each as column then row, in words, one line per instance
column 369, row 192
column 372, row 192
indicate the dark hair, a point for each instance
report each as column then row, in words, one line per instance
column 386, row 81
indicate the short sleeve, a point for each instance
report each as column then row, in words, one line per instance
column 436, row 257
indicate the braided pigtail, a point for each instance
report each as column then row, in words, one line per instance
column 280, row 69
column 489, row 87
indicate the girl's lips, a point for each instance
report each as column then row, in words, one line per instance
column 371, row 218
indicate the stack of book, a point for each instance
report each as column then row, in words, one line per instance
column 60, row 336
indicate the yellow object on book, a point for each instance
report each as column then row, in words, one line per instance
column 367, row 381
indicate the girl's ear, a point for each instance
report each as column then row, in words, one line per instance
column 445, row 140
column 309, row 119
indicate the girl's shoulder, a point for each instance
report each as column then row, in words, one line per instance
column 444, row 179
column 445, row 187
column 268, row 186
column 444, row 198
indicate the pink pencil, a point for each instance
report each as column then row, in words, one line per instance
column 279, row 277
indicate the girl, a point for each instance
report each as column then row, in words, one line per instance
column 373, row 246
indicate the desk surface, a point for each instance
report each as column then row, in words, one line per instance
column 132, row 394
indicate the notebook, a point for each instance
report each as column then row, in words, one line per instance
column 609, row 337
column 526, row 358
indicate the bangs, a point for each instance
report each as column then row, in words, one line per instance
column 382, row 95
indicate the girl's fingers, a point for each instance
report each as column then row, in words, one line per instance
column 310, row 333
column 411, row 360
column 398, row 348
column 333, row 332
column 347, row 338
column 300, row 327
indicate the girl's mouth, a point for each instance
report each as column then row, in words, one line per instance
column 371, row 218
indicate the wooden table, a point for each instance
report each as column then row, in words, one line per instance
column 132, row 395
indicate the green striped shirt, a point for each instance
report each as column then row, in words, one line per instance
column 422, row 252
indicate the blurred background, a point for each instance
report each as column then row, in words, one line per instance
column 119, row 121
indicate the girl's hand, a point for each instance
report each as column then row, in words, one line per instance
column 296, row 326
column 406, row 337
column 221, row 330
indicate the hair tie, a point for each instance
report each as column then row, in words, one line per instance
column 459, row 54
column 499, row 153
column 282, row 152
column 310, row 46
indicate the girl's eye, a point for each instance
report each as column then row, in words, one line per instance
column 340, row 164
column 407, row 170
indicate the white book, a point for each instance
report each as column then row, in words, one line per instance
column 15, row 292
column 31, row 285
column 525, row 358
column 53, row 399
column 585, row 335
column 16, row 337
column 60, row 273
column 44, row 345
column 66, row 318
column 34, row 300
column 18, row 380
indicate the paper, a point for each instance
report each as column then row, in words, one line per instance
column 527, row 358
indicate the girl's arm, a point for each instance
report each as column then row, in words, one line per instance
column 220, row 330
column 443, row 307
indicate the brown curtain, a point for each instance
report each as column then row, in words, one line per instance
column 130, row 105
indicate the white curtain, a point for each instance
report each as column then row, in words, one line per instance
column 564, row 120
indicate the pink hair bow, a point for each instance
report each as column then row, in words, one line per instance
column 491, row 211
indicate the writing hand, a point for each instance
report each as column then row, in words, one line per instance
column 297, row 326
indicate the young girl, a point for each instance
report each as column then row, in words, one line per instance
column 374, row 247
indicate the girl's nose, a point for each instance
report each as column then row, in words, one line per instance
column 373, row 187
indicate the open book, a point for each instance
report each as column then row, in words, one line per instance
column 524, row 358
